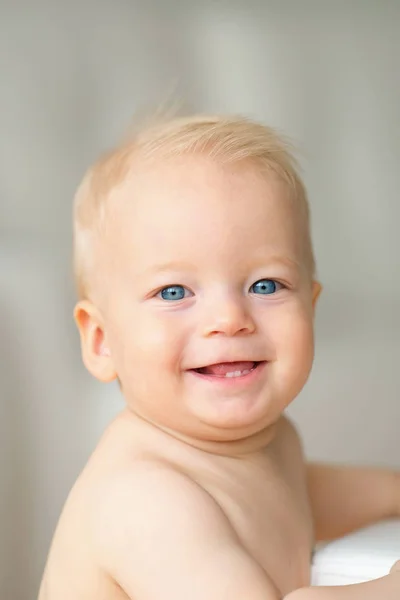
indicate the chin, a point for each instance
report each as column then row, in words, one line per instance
column 236, row 417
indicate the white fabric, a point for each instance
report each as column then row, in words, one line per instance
column 361, row 556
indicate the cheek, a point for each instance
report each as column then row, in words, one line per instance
column 294, row 337
column 152, row 339
column 151, row 363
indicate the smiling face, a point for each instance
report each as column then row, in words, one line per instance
column 207, row 309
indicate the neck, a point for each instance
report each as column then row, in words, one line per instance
column 250, row 444
column 245, row 445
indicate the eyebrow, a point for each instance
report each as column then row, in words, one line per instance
column 275, row 259
column 263, row 260
column 184, row 266
column 168, row 266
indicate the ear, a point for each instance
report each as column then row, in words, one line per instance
column 316, row 292
column 96, row 354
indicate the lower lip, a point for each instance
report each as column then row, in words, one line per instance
column 232, row 381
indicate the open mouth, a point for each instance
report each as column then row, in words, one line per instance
column 230, row 369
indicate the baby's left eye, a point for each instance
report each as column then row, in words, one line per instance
column 265, row 286
column 173, row 292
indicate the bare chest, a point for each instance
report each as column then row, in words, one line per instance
column 269, row 511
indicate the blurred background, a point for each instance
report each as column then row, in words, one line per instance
column 72, row 76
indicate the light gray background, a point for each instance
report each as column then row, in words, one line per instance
column 72, row 75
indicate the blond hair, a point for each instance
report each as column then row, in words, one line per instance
column 221, row 138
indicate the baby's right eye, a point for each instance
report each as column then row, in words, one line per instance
column 173, row 292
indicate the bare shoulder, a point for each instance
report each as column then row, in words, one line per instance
column 152, row 518
column 146, row 497
column 140, row 477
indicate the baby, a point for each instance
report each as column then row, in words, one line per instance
column 197, row 291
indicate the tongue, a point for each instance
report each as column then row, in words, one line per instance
column 222, row 369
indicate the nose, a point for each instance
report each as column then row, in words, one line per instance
column 227, row 316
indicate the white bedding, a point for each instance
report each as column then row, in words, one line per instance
column 366, row 554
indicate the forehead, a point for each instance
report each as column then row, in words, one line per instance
column 205, row 209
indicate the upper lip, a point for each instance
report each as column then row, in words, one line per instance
column 225, row 361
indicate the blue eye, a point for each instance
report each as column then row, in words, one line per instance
column 264, row 286
column 173, row 292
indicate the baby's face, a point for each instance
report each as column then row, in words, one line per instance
column 207, row 269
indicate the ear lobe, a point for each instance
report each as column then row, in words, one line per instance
column 316, row 292
column 96, row 355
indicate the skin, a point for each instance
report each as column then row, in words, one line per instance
column 199, row 488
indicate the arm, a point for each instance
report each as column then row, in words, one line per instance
column 344, row 499
column 385, row 588
column 162, row 537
